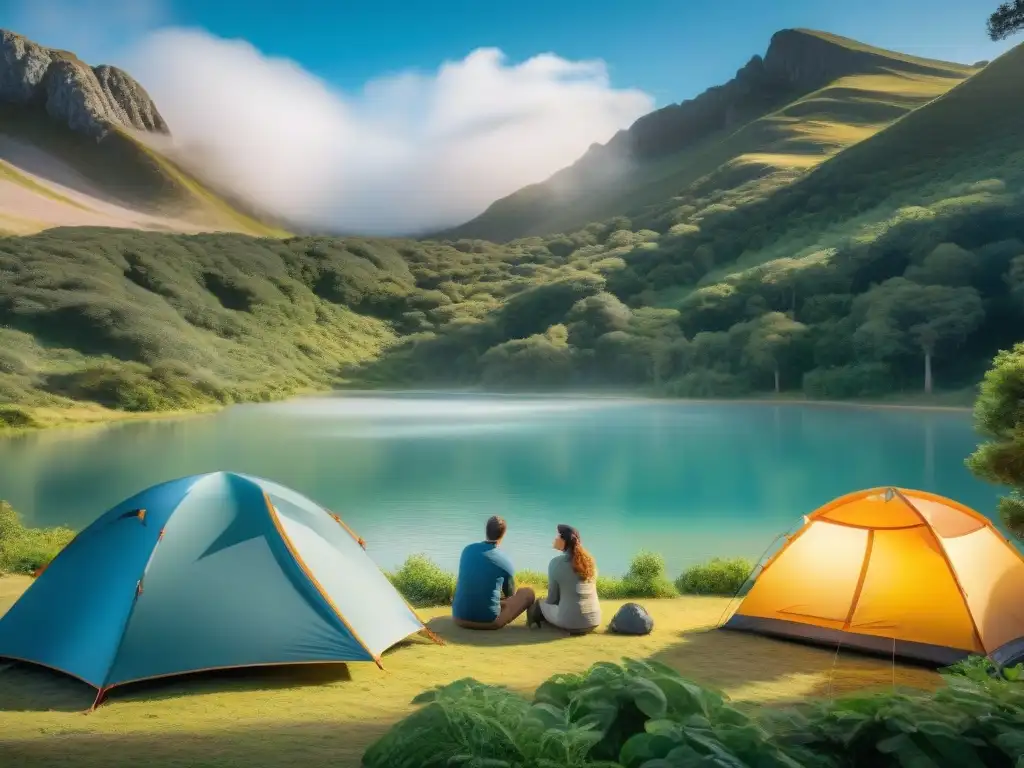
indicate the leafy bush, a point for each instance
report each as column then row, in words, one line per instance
column 962, row 724
column 716, row 577
column 645, row 715
column 423, row 582
column 981, row 670
column 646, row 577
column 470, row 724
column 24, row 550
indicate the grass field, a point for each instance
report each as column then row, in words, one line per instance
column 329, row 715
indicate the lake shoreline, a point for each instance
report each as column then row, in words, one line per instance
column 91, row 415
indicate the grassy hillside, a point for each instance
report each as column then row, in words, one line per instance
column 144, row 321
column 779, row 132
column 120, row 169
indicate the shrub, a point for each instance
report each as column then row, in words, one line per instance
column 716, row 577
column 423, row 582
column 24, row 550
column 645, row 715
column 493, row 725
column 646, row 577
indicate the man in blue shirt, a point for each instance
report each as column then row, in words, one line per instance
column 485, row 593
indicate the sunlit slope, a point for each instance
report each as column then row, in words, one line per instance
column 978, row 125
column 51, row 176
column 739, row 164
column 962, row 150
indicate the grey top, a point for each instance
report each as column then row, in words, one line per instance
column 578, row 606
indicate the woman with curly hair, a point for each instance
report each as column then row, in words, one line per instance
column 572, row 602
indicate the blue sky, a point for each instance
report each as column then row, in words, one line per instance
column 671, row 49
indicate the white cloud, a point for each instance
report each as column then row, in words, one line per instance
column 409, row 153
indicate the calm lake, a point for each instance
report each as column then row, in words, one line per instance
column 422, row 472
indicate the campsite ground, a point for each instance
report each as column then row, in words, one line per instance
column 318, row 715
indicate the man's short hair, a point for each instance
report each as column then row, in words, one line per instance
column 496, row 528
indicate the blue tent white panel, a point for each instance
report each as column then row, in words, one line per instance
column 223, row 590
column 375, row 610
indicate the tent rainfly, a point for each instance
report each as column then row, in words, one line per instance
column 211, row 571
column 897, row 572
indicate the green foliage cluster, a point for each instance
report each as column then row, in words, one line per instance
column 645, row 715
column 716, row 577
column 646, row 577
column 424, row 583
column 999, row 415
column 23, row 550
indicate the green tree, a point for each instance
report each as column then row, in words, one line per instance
column 903, row 318
column 1007, row 19
column 772, row 342
column 541, row 306
column 947, row 264
column 542, row 361
column 999, row 414
column 595, row 316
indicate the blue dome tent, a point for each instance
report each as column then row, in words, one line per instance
column 211, row 571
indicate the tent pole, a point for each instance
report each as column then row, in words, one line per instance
column 432, row 635
column 100, row 694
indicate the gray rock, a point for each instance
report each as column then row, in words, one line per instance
column 87, row 100
column 632, row 619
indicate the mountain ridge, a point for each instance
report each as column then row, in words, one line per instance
column 797, row 62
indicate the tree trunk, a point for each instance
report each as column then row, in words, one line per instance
column 928, row 373
column 776, row 381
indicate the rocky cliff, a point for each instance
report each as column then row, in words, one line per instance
column 89, row 100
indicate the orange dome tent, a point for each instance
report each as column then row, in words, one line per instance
column 894, row 571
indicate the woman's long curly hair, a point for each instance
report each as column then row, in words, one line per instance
column 582, row 561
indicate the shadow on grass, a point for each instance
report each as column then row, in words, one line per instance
column 516, row 633
column 28, row 688
column 335, row 744
column 780, row 672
